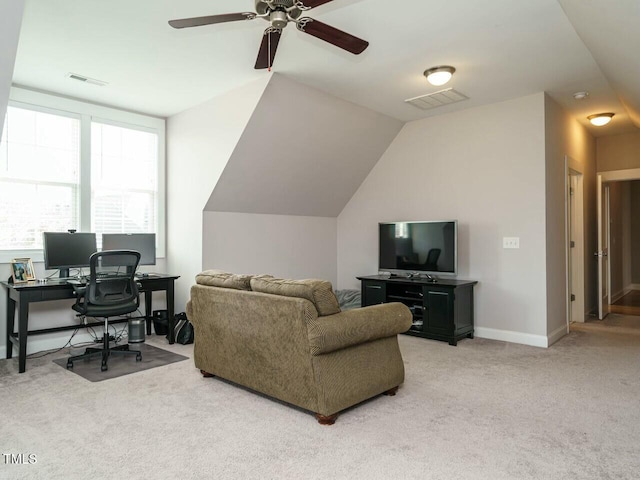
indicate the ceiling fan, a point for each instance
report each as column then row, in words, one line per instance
column 279, row 13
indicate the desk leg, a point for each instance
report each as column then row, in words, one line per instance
column 23, row 323
column 147, row 310
column 171, row 312
column 11, row 316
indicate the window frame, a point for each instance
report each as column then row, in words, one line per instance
column 88, row 113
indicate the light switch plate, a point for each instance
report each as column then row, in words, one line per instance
column 511, row 242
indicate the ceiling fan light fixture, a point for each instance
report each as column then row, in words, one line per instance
column 600, row 119
column 439, row 75
column 278, row 19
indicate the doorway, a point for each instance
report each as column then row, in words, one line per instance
column 621, row 225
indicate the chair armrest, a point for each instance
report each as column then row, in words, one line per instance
column 80, row 291
column 360, row 325
column 79, row 288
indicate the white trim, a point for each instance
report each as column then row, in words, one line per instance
column 576, row 274
column 618, row 296
column 56, row 102
column 556, row 335
column 633, row 286
column 513, row 337
column 620, row 175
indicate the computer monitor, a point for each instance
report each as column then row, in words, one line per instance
column 64, row 250
column 145, row 243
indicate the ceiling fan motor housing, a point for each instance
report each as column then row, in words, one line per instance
column 269, row 7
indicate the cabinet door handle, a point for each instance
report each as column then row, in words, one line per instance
column 376, row 287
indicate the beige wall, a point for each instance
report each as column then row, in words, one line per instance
column 286, row 246
column 484, row 167
column 564, row 136
column 199, row 143
column 304, row 152
column 618, row 152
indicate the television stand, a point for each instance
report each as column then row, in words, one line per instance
column 441, row 311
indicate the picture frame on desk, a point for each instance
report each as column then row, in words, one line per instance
column 22, row 270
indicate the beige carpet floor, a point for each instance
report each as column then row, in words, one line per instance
column 482, row 410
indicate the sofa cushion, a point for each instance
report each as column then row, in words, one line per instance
column 318, row 292
column 219, row 278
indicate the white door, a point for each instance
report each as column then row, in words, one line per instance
column 603, row 249
column 576, row 254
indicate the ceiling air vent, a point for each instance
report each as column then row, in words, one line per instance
column 82, row 78
column 438, row 99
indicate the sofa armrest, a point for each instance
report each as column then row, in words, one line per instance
column 189, row 309
column 352, row 327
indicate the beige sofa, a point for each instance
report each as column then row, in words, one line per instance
column 288, row 339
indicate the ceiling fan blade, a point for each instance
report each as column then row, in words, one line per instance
column 211, row 19
column 268, row 48
column 309, row 4
column 332, row 35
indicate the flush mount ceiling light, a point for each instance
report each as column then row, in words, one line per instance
column 439, row 75
column 581, row 95
column 600, row 119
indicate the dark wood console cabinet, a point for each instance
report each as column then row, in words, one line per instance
column 442, row 310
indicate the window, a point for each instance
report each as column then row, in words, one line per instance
column 402, row 230
column 67, row 164
column 39, row 177
column 124, row 184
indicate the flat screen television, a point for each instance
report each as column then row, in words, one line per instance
column 145, row 243
column 422, row 247
column 63, row 250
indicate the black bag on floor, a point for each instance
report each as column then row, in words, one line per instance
column 183, row 329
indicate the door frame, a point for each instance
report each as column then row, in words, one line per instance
column 604, row 246
column 617, row 176
column 574, row 272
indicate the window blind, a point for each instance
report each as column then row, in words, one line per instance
column 124, row 179
column 39, row 176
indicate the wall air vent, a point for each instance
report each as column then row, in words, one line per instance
column 437, row 99
column 82, row 78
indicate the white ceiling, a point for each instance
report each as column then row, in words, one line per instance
column 502, row 49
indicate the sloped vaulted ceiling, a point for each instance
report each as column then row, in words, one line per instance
column 10, row 16
column 303, row 152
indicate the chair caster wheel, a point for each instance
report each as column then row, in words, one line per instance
column 103, row 368
column 138, row 358
column 69, row 366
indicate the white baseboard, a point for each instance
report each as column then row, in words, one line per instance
column 54, row 341
column 617, row 296
column 556, row 335
column 633, row 286
column 513, row 337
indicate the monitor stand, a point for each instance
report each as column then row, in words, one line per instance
column 64, row 273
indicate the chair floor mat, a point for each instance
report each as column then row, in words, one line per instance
column 152, row 357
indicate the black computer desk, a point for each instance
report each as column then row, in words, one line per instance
column 20, row 295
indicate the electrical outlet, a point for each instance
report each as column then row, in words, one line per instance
column 511, row 242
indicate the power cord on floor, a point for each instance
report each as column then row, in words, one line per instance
column 118, row 336
column 49, row 352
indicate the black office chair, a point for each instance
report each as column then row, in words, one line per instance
column 112, row 291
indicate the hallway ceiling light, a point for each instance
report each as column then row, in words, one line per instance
column 581, row 95
column 600, row 119
column 439, row 75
